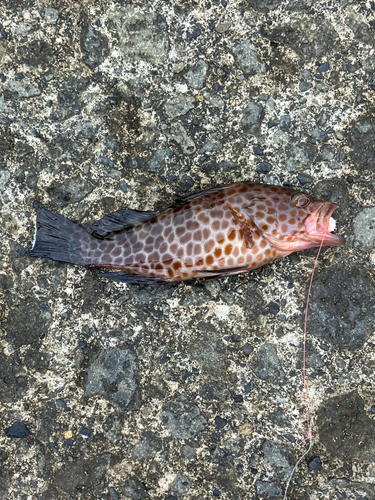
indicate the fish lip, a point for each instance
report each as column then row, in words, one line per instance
column 317, row 225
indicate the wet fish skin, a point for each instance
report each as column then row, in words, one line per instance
column 227, row 230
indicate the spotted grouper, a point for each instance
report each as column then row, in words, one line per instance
column 221, row 231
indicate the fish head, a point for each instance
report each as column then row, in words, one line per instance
column 292, row 220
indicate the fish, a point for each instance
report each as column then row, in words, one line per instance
column 221, row 231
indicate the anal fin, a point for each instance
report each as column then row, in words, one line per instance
column 122, row 219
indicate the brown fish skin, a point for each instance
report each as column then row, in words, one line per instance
column 227, row 230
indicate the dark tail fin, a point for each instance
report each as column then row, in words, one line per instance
column 58, row 238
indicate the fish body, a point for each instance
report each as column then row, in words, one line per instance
column 227, row 230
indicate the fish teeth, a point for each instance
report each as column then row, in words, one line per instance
column 331, row 225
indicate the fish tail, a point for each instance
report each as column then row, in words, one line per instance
column 58, row 238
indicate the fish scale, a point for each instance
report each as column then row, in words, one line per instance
column 227, row 230
column 195, row 239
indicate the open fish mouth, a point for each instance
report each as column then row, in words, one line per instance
column 320, row 224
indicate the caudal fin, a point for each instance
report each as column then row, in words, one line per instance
column 58, row 238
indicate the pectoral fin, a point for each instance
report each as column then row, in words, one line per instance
column 249, row 229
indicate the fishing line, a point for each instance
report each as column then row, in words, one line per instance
column 306, row 401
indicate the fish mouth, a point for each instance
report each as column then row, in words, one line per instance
column 320, row 224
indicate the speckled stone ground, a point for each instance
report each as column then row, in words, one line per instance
column 190, row 391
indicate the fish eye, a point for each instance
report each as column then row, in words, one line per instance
column 300, row 200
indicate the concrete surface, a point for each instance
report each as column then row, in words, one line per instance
column 190, row 391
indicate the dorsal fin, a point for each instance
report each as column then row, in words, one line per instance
column 204, row 193
column 122, row 219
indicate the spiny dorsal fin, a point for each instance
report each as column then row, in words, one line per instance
column 122, row 219
column 205, row 193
